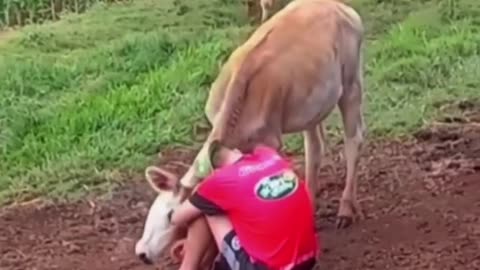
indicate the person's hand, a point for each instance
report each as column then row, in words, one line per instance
column 177, row 251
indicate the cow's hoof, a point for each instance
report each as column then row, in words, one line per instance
column 344, row 222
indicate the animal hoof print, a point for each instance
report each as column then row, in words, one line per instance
column 344, row 222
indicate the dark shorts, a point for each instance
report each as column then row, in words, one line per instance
column 233, row 257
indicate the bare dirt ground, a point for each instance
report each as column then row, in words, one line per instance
column 421, row 198
column 6, row 34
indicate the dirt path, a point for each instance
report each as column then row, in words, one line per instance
column 421, row 199
column 6, row 35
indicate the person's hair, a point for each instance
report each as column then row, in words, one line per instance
column 217, row 152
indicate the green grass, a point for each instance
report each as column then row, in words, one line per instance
column 90, row 98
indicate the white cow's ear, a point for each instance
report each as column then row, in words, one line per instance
column 160, row 179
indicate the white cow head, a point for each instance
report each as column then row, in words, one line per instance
column 158, row 233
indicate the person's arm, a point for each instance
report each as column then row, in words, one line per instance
column 184, row 213
column 208, row 198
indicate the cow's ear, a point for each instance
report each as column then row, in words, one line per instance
column 160, row 179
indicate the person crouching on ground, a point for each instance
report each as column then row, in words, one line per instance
column 257, row 209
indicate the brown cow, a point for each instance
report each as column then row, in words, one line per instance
column 287, row 77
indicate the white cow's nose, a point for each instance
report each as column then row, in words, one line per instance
column 144, row 258
column 141, row 253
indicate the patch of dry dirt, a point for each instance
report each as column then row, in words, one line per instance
column 420, row 197
column 6, row 35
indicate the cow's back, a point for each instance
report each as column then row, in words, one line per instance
column 300, row 39
column 303, row 40
column 307, row 33
column 285, row 54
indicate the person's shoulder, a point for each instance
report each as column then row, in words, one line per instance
column 264, row 150
column 222, row 174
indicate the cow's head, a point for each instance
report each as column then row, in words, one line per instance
column 158, row 233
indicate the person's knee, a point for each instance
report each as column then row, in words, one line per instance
column 199, row 240
column 200, row 222
column 219, row 223
column 219, row 227
column 198, row 229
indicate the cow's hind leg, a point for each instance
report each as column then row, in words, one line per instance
column 313, row 150
column 325, row 151
column 350, row 105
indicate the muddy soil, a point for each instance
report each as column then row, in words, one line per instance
column 420, row 196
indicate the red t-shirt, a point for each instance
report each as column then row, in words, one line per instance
column 268, row 205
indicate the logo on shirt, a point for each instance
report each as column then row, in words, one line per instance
column 277, row 186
